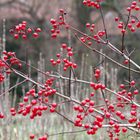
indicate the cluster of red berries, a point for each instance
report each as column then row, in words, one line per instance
column 133, row 23
column 128, row 94
column 91, row 3
column 56, row 62
column 90, row 27
column 23, row 31
column 97, row 86
column 87, row 39
column 133, row 6
column 87, row 107
column 81, row 117
column 97, row 73
column 114, row 134
column 38, row 102
column 57, row 23
column 67, row 63
column 32, row 136
column 11, row 59
column 34, row 104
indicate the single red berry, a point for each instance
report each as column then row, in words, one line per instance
column 52, row 109
column 92, row 94
column 33, row 102
column 24, row 36
column 54, row 105
column 32, row 136
column 12, row 110
column 86, row 126
column 129, row 25
column 53, row 21
column 132, row 29
column 99, row 118
column 29, row 30
column 128, row 9
column 116, row 18
column 133, row 113
column 126, row 61
column 136, row 92
column 87, row 25
column 54, row 35
column 38, row 30
column 138, row 25
column 16, row 36
column 35, row 35
column 91, row 110
column 118, row 113
column 61, row 10
column 132, row 83
column 25, row 99
column 64, row 46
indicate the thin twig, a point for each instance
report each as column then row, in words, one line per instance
column 103, row 20
column 123, row 34
column 13, row 87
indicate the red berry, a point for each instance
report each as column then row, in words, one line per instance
column 64, row 46
column 52, row 109
column 54, row 35
column 136, row 92
column 118, row 113
column 12, row 110
column 54, row 105
column 32, row 136
column 126, row 61
column 97, row 71
column 91, row 110
column 38, row 30
column 86, row 126
column 116, row 19
column 16, row 36
column 53, row 21
column 24, row 36
column 133, row 113
column 33, row 102
column 87, row 25
column 132, row 83
column 29, row 30
column 99, row 118
column 35, row 35
column 25, row 99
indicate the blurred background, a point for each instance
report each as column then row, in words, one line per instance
column 38, row 13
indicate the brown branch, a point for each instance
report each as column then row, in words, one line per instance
column 65, row 97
